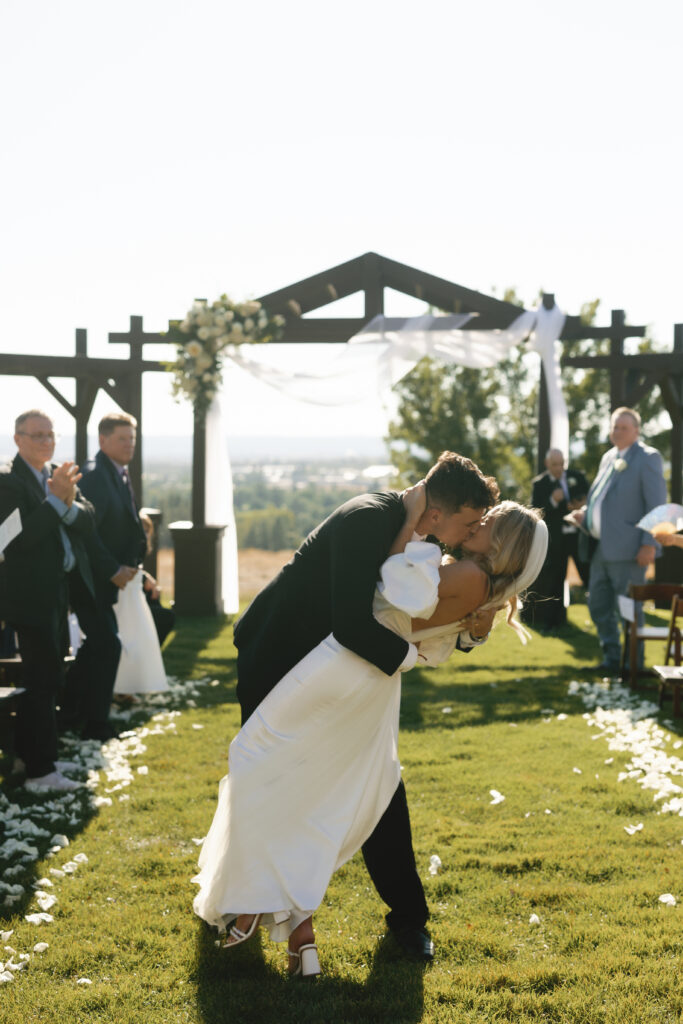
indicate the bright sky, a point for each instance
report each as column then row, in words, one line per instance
column 155, row 151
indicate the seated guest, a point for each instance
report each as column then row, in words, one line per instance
column 50, row 553
column 120, row 546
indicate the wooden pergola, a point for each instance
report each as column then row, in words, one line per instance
column 198, row 584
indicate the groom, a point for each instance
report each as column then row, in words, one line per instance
column 328, row 587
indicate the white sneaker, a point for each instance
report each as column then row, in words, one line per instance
column 53, row 780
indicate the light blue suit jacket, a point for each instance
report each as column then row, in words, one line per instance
column 629, row 495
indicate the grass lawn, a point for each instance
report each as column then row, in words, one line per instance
column 602, row 947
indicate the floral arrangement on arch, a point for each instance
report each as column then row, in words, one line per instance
column 202, row 338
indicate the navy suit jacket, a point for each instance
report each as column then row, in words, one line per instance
column 33, row 570
column 120, row 535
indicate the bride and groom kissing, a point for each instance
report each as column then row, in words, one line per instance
column 314, row 773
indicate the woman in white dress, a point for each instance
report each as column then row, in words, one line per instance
column 314, row 768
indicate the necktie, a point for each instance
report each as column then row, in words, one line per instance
column 125, row 479
column 597, row 491
column 564, row 486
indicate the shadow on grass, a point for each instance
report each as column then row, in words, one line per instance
column 238, row 985
column 193, row 648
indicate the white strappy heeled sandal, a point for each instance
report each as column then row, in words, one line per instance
column 238, row 936
column 308, row 965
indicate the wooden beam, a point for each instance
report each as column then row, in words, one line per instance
column 19, row 365
column 641, row 388
column 448, row 296
column 653, row 362
column 318, row 290
column 312, row 330
column 56, row 394
column 576, row 330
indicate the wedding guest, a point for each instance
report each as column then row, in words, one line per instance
column 40, row 564
column 120, row 542
column 557, row 491
column 630, row 482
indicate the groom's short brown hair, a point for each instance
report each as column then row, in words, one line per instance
column 455, row 481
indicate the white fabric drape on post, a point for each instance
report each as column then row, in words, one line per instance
column 218, row 503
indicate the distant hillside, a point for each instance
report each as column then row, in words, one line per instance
column 253, row 449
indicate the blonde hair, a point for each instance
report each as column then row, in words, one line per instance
column 514, row 528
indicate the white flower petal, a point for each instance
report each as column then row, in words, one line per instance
column 497, row 797
column 668, row 899
column 534, row 919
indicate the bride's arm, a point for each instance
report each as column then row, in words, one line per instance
column 414, row 502
column 464, row 587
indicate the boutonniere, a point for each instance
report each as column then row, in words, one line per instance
column 571, row 479
column 620, row 465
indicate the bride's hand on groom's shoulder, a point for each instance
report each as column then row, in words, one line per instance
column 415, row 501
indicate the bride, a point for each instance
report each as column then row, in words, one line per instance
column 314, row 768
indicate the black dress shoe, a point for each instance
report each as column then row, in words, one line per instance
column 415, row 943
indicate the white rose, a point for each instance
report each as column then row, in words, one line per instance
column 620, row 465
column 184, row 326
column 222, row 341
column 279, row 320
column 237, row 331
column 204, row 333
column 262, row 319
column 249, row 325
column 207, row 378
column 219, row 320
column 229, row 315
column 193, row 348
column 204, row 318
column 203, row 362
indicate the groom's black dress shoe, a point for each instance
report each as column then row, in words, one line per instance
column 414, row 942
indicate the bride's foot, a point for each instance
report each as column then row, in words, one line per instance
column 243, row 928
column 302, row 951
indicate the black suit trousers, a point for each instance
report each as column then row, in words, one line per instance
column 42, row 648
column 90, row 681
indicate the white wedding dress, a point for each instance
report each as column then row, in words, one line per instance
column 141, row 667
column 315, row 766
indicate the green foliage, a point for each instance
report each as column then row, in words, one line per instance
column 267, row 517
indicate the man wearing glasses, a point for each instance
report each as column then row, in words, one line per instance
column 57, row 525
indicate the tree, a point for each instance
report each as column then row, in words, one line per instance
column 492, row 415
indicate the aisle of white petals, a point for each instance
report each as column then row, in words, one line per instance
column 32, row 831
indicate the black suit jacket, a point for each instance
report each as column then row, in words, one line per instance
column 543, row 487
column 327, row 587
column 120, row 537
column 33, row 570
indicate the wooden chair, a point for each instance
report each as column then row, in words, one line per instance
column 671, row 676
column 628, row 606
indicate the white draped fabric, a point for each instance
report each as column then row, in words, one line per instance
column 388, row 348
column 369, row 365
column 218, row 503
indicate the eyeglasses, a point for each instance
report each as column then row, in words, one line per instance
column 39, row 438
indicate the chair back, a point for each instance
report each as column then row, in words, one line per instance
column 674, row 639
column 655, row 591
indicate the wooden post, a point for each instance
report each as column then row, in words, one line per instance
column 83, row 407
column 372, row 286
column 543, row 407
column 616, row 381
column 677, row 427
